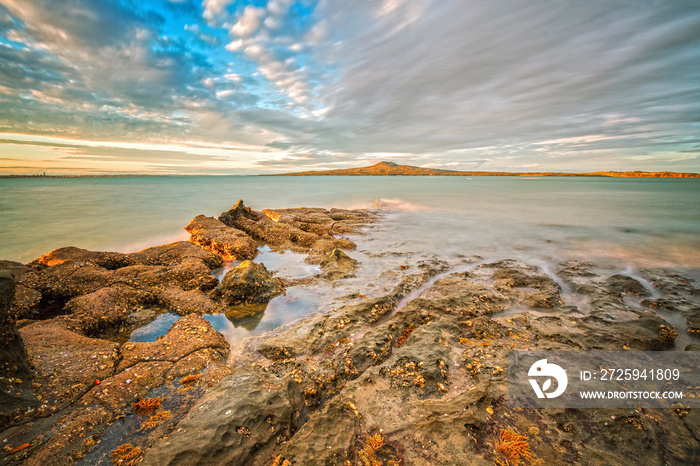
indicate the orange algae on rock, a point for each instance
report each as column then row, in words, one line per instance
column 19, row 448
column 126, row 455
column 279, row 461
column 375, row 442
column 190, row 379
column 156, row 420
column 513, row 447
column 146, row 405
column 376, row 452
column 406, row 333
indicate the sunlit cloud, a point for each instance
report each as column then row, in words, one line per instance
column 223, row 86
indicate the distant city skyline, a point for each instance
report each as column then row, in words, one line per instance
column 244, row 87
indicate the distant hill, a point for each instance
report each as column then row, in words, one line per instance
column 394, row 169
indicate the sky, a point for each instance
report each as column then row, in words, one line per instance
column 244, row 87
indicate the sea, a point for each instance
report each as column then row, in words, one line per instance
column 627, row 224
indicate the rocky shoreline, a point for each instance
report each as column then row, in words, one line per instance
column 413, row 376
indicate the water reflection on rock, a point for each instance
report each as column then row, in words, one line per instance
column 246, row 315
column 243, row 321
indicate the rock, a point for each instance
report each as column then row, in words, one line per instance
column 327, row 438
column 272, row 215
column 17, row 268
column 317, row 332
column 247, row 311
column 325, row 245
column 238, row 211
column 191, row 274
column 67, row 280
column 302, row 229
column 183, row 302
column 323, row 222
column 99, row 300
column 27, row 302
column 70, row 436
column 540, row 290
column 416, row 376
column 624, row 284
column 692, row 347
column 105, row 311
column 215, row 236
column 399, row 382
column 187, row 336
column 190, row 346
column 336, row 264
column 66, row 363
column 86, row 386
column 262, row 228
column 176, row 254
column 85, row 383
column 572, row 270
column 249, row 282
column 27, row 296
column 468, row 297
column 227, row 428
column 67, row 273
column 105, row 260
column 15, row 373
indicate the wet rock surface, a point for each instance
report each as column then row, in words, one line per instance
column 68, row 379
column 412, row 375
column 248, row 283
column 15, row 372
column 423, row 381
column 227, row 428
column 215, row 236
column 86, row 384
column 96, row 289
column 305, row 230
column 336, row 264
column 103, row 311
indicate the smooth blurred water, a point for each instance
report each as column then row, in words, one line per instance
column 623, row 223
column 635, row 221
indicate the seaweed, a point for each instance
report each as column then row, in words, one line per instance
column 156, row 420
column 146, row 406
column 126, row 455
column 406, row 333
column 279, row 461
column 376, row 452
column 190, row 379
column 513, row 447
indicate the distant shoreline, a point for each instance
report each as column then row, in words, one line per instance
column 394, row 169
column 390, row 169
column 534, row 175
column 135, row 175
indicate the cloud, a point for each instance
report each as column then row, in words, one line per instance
column 501, row 73
column 269, row 38
column 279, row 7
column 248, row 23
column 201, row 35
column 118, row 77
column 488, row 85
column 214, row 8
column 74, row 23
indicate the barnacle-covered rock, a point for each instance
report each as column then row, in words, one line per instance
column 15, row 373
column 244, row 417
column 249, row 282
column 221, row 239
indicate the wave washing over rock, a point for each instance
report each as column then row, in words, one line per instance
column 413, row 374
